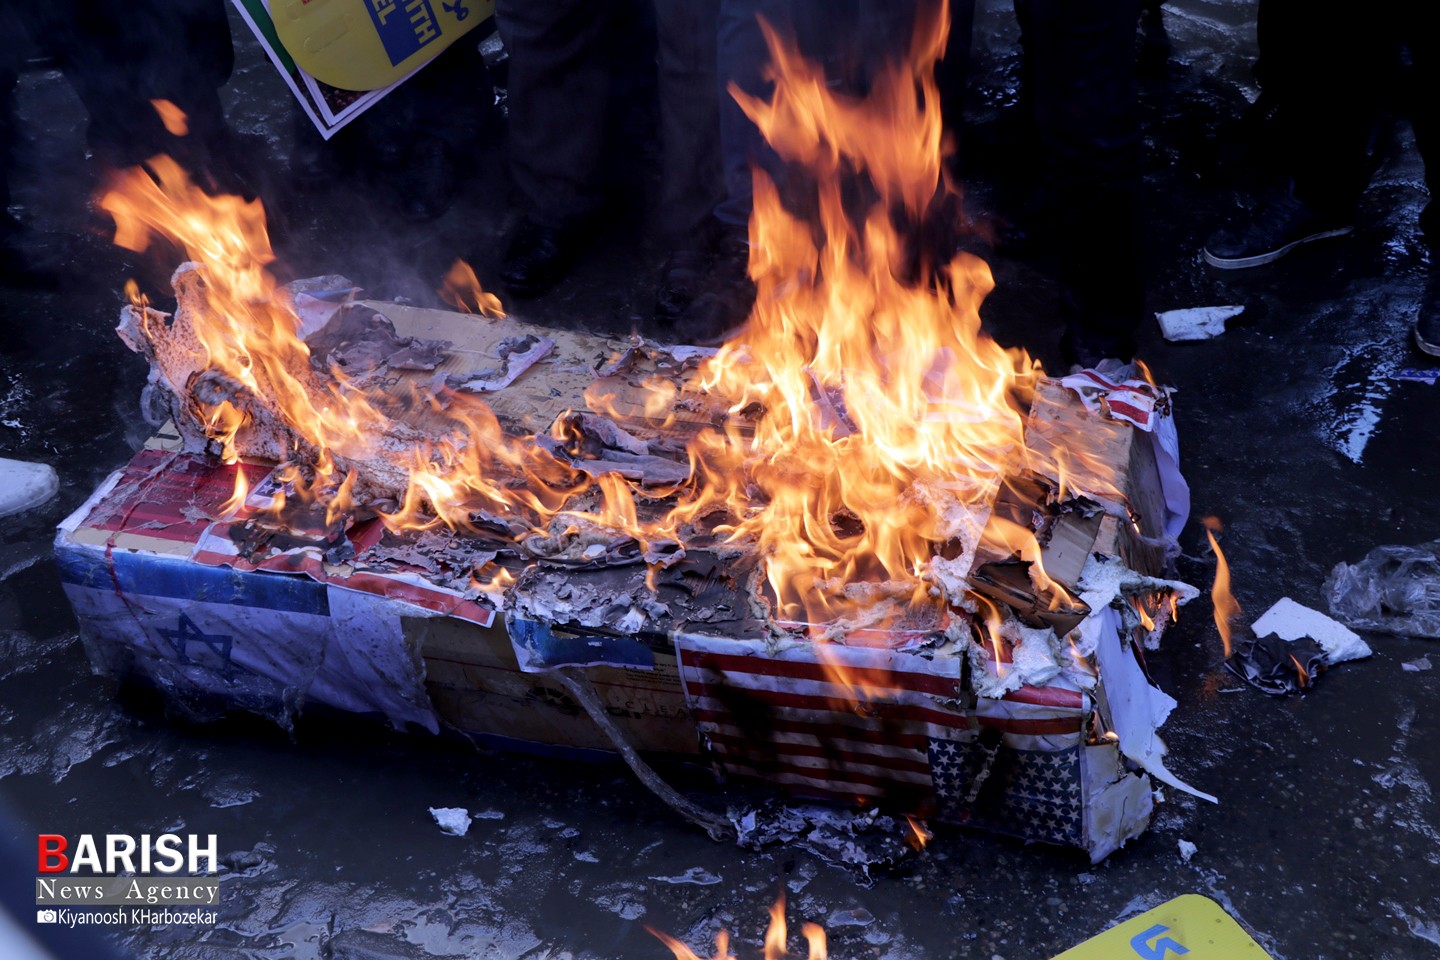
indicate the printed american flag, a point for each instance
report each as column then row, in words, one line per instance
column 914, row 741
column 1130, row 400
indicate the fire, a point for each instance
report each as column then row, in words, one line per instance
column 237, row 499
column 1226, row 606
column 886, row 409
column 919, row 835
column 174, row 119
column 461, row 289
column 871, row 424
column 775, row 937
column 1302, row 675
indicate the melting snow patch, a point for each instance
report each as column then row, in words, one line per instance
column 696, row 875
column 858, row 917
column 1426, row 930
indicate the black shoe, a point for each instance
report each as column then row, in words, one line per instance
column 724, row 304
column 537, row 257
column 1427, row 321
column 429, row 182
column 682, row 280
column 1281, row 224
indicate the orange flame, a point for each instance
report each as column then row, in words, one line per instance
column 775, row 936
column 232, row 506
column 1226, row 606
column 176, row 123
column 919, row 835
column 461, row 289
column 249, row 337
column 1301, row 673
column 885, row 409
column 871, row 422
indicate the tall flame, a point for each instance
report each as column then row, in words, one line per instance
column 883, row 402
column 1226, row 606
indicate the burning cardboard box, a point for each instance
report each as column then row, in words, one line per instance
column 859, row 552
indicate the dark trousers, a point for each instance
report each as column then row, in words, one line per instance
column 559, row 89
column 690, row 183
column 562, row 72
column 850, row 39
column 1329, row 69
column 120, row 57
column 1080, row 77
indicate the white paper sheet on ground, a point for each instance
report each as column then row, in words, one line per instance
column 1196, row 323
column 1137, row 709
column 452, row 820
column 1290, row 621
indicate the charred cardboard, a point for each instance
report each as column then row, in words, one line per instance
column 162, row 591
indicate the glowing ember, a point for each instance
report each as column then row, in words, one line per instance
column 775, row 936
column 919, row 834
column 1226, row 606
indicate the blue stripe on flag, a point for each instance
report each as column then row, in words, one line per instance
column 145, row 575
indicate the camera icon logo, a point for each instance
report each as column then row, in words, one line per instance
column 45, row 916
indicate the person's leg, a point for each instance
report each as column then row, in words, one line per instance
column 690, row 183
column 119, row 59
column 27, row 258
column 1424, row 88
column 1321, row 69
column 741, row 61
column 1424, row 48
column 1083, row 87
column 10, row 259
column 689, row 116
column 559, row 82
column 1326, row 63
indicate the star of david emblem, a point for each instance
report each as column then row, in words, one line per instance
column 186, row 633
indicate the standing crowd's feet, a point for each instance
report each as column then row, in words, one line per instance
column 1281, row 223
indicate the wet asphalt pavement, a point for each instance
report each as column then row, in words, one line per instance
column 1326, row 842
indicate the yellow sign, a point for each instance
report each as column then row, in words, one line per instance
column 369, row 44
column 1192, row 927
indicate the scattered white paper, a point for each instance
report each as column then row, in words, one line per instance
column 1187, row 850
column 1290, row 621
column 452, row 820
column 1196, row 323
column 514, row 355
